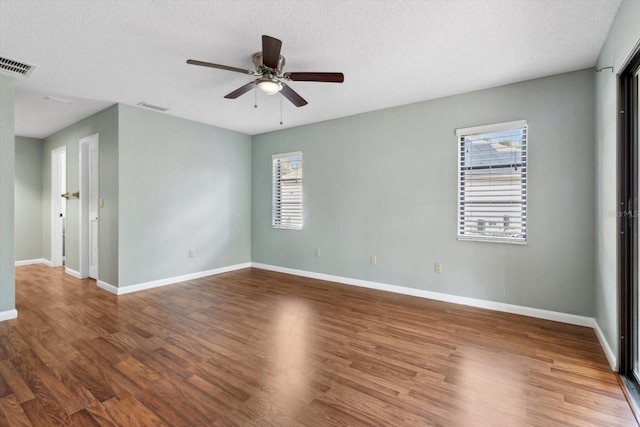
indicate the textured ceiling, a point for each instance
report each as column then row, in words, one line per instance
column 97, row 53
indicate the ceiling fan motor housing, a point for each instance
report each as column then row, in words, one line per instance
column 261, row 68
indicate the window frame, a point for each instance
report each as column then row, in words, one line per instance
column 276, row 186
column 461, row 133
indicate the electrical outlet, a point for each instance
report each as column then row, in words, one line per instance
column 437, row 267
column 373, row 260
column 317, row 251
column 190, row 253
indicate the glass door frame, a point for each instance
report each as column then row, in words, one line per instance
column 628, row 229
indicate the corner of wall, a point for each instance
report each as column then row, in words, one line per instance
column 7, row 199
column 608, row 351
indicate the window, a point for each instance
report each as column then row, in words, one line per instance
column 492, row 183
column 287, row 191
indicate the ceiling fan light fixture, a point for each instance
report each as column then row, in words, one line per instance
column 269, row 86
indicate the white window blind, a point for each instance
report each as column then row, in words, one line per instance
column 287, row 191
column 492, row 183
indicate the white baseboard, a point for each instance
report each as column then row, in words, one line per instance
column 8, row 315
column 34, row 261
column 107, row 287
column 171, row 280
column 73, row 273
column 611, row 357
column 491, row 305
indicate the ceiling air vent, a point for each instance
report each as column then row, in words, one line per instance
column 16, row 68
column 152, row 107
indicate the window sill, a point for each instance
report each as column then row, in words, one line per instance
column 487, row 239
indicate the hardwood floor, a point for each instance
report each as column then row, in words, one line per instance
column 257, row 348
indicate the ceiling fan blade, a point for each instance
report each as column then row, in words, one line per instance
column 221, row 67
column 292, row 96
column 271, row 51
column 315, row 77
column 241, row 90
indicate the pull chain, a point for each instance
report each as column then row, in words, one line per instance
column 280, row 109
column 255, row 98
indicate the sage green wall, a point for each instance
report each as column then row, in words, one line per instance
column 623, row 36
column 104, row 123
column 384, row 183
column 183, row 185
column 7, row 183
column 28, row 198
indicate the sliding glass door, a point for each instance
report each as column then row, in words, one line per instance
column 633, row 97
column 629, row 228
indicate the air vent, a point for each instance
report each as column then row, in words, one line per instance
column 152, row 107
column 16, row 68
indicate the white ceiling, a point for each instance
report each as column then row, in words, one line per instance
column 97, row 53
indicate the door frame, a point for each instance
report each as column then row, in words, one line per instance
column 58, row 168
column 629, row 226
column 84, row 202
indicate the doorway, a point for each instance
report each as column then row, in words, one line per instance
column 58, row 206
column 89, row 205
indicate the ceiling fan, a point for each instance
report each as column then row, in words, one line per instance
column 271, row 79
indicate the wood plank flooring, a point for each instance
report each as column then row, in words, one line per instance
column 257, row 348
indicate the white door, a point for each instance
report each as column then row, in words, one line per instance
column 58, row 205
column 89, row 213
column 94, row 191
